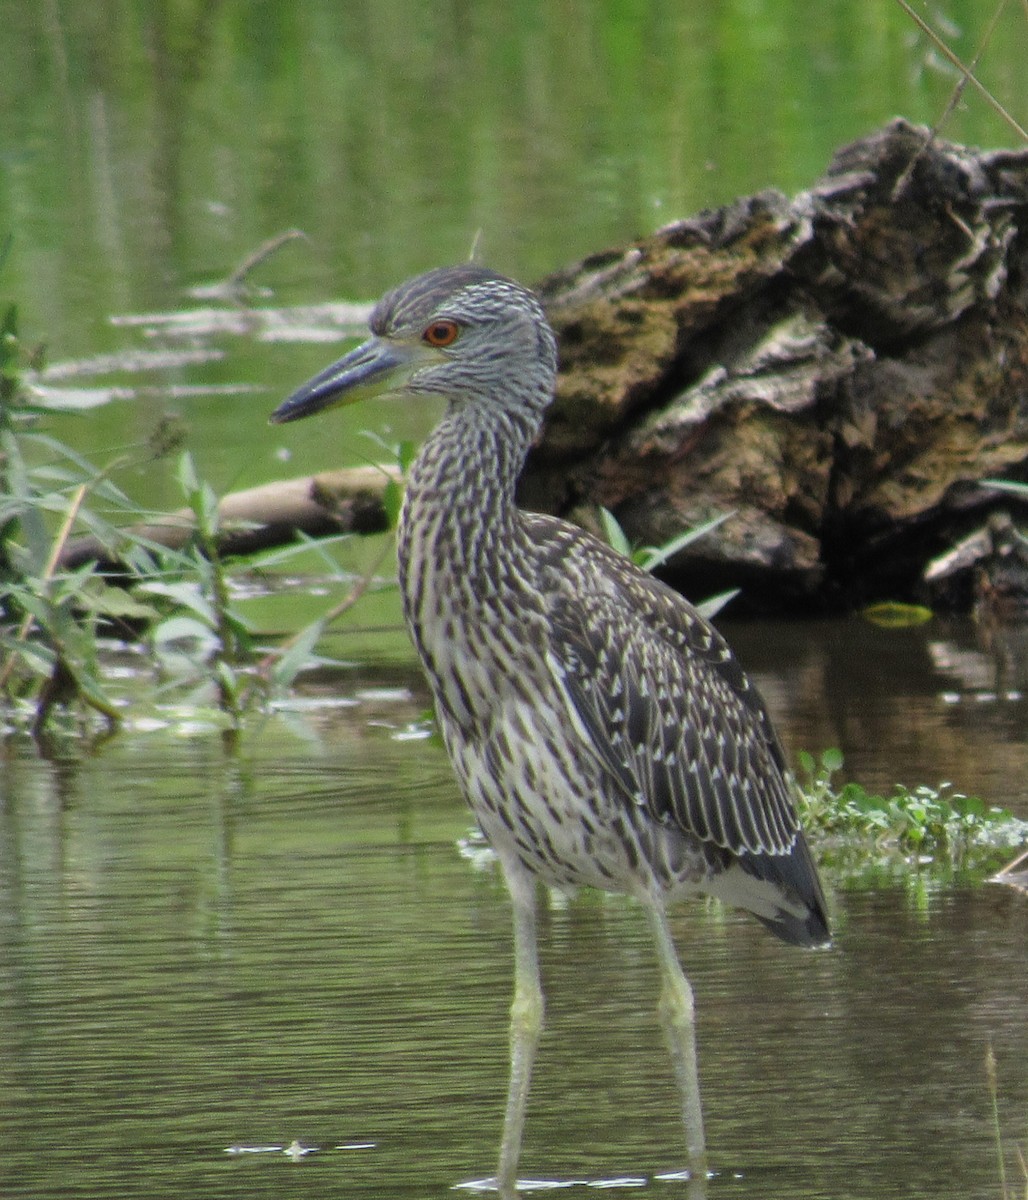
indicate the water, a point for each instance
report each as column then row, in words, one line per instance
column 203, row 953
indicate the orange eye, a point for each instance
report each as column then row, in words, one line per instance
column 441, row 333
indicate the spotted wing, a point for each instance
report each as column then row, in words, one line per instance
column 661, row 700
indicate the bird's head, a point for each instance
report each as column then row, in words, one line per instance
column 463, row 333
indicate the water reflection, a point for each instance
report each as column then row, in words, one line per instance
column 943, row 701
column 200, row 954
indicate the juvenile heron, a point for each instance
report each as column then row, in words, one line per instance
column 602, row 732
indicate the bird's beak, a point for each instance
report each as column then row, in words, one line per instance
column 375, row 368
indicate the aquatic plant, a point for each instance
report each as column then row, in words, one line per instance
column 56, row 622
column 992, row 1085
column 927, row 827
column 48, row 618
column 650, row 558
column 56, row 625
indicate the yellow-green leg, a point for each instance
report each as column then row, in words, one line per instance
column 526, row 1023
column 677, row 1019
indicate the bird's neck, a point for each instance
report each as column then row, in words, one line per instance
column 460, row 536
column 459, row 512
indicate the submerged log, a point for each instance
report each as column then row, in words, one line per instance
column 992, row 563
column 346, row 501
column 839, row 370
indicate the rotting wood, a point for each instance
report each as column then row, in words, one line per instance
column 351, row 500
column 838, row 370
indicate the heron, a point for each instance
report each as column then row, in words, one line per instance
column 601, row 730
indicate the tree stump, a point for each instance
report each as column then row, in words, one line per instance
column 839, row 371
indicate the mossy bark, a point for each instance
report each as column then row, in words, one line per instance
column 839, row 370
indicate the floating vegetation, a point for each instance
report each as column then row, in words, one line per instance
column 932, row 829
column 891, row 614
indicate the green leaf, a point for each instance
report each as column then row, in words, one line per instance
column 893, row 615
column 652, row 557
column 186, row 595
column 289, row 664
column 207, row 512
column 19, row 485
column 304, row 544
column 60, row 451
column 9, row 342
column 228, row 680
column 712, row 605
column 614, row 534
column 186, row 474
column 392, row 501
column 832, row 760
column 184, row 629
column 103, row 600
column 1007, row 485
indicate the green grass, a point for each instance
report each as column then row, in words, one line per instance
column 1006, row 1190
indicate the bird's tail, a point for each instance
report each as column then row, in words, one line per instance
column 782, row 891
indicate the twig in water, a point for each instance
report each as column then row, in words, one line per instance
column 264, row 251
column 990, row 1079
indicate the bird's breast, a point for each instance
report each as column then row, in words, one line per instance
column 526, row 766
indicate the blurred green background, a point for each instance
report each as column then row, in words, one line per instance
column 147, row 146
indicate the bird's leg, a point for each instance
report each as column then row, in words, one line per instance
column 526, row 1022
column 677, row 1019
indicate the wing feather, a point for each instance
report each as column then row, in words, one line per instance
column 662, row 699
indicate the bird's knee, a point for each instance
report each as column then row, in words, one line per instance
column 676, row 1008
column 526, row 1013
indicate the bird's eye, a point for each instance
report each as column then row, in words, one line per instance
column 441, row 333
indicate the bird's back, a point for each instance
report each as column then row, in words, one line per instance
column 684, row 737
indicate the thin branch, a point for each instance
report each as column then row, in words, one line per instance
column 954, row 100
column 264, row 251
column 968, row 74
